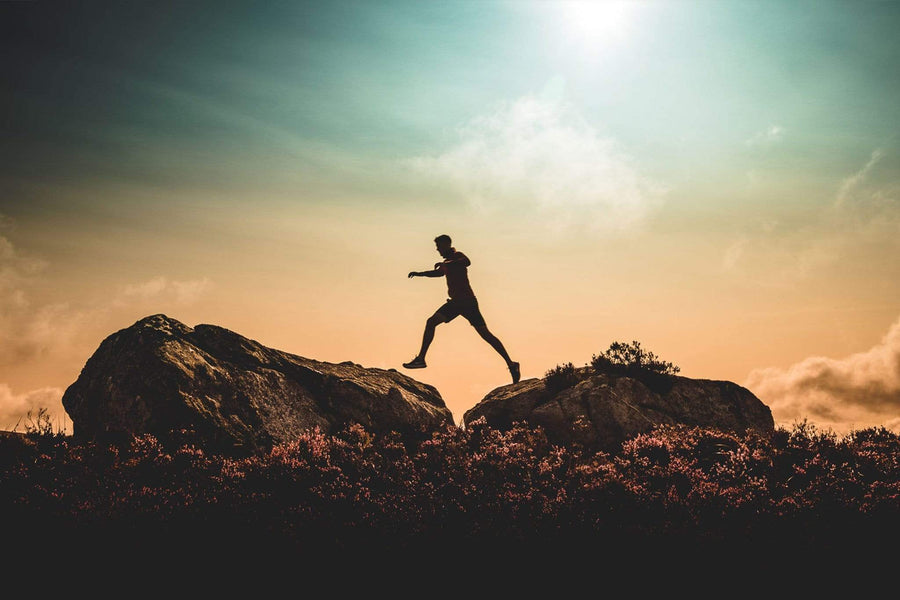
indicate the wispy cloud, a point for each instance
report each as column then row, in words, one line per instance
column 16, row 268
column 773, row 256
column 21, row 329
column 733, row 253
column 859, row 216
column 869, row 204
column 851, row 184
column 33, row 330
column 162, row 288
column 857, row 391
column 538, row 155
column 29, row 330
column 769, row 135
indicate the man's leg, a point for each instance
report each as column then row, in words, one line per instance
column 497, row 345
column 430, row 325
column 427, row 337
column 473, row 314
column 491, row 339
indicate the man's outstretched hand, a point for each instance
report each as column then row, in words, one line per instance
column 412, row 274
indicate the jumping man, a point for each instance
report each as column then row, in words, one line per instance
column 461, row 301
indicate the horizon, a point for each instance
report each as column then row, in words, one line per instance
column 718, row 181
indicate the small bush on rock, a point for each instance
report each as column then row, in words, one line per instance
column 561, row 377
column 629, row 359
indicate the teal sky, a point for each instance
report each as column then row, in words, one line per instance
column 718, row 179
column 333, row 93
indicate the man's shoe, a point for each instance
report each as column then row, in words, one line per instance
column 416, row 363
column 514, row 371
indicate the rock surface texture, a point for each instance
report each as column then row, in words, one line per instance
column 602, row 410
column 160, row 376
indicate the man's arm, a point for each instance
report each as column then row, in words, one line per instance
column 438, row 271
column 433, row 273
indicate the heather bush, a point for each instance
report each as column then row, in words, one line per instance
column 470, row 488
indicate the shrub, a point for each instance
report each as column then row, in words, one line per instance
column 561, row 377
column 630, row 359
column 460, row 490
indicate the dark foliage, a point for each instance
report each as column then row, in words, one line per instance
column 619, row 360
column 561, row 377
column 630, row 359
column 475, row 490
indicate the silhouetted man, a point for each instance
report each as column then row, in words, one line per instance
column 461, row 301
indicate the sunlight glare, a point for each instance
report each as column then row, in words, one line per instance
column 598, row 21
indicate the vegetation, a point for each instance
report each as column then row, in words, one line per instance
column 561, row 377
column 620, row 359
column 629, row 359
column 478, row 488
column 41, row 424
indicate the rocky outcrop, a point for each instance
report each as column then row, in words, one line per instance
column 602, row 410
column 160, row 376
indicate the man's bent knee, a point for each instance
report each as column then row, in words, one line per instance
column 435, row 320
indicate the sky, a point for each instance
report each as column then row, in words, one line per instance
column 717, row 180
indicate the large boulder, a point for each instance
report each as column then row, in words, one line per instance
column 162, row 377
column 602, row 410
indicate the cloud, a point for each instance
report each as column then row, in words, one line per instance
column 851, row 185
column 63, row 334
column 537, row 155
column 31, row 329
column 160, row 288
column 733, row 253
column 15, row 408
column 777, row 256
column 15, row 268
column 859, row 217
column 19, row 321
column 870, row 209
column 770, row 135
column 858, row 391
column 28, row 330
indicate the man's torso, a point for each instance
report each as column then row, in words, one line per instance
column 457, row 275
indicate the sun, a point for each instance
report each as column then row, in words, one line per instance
column 598, row 21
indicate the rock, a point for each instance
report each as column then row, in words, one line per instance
column 161, row 377
column 603, row 410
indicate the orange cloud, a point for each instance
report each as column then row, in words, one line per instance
column 858, row 391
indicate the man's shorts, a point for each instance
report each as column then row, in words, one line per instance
column 467, row 307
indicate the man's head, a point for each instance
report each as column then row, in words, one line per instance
column 444, row 244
